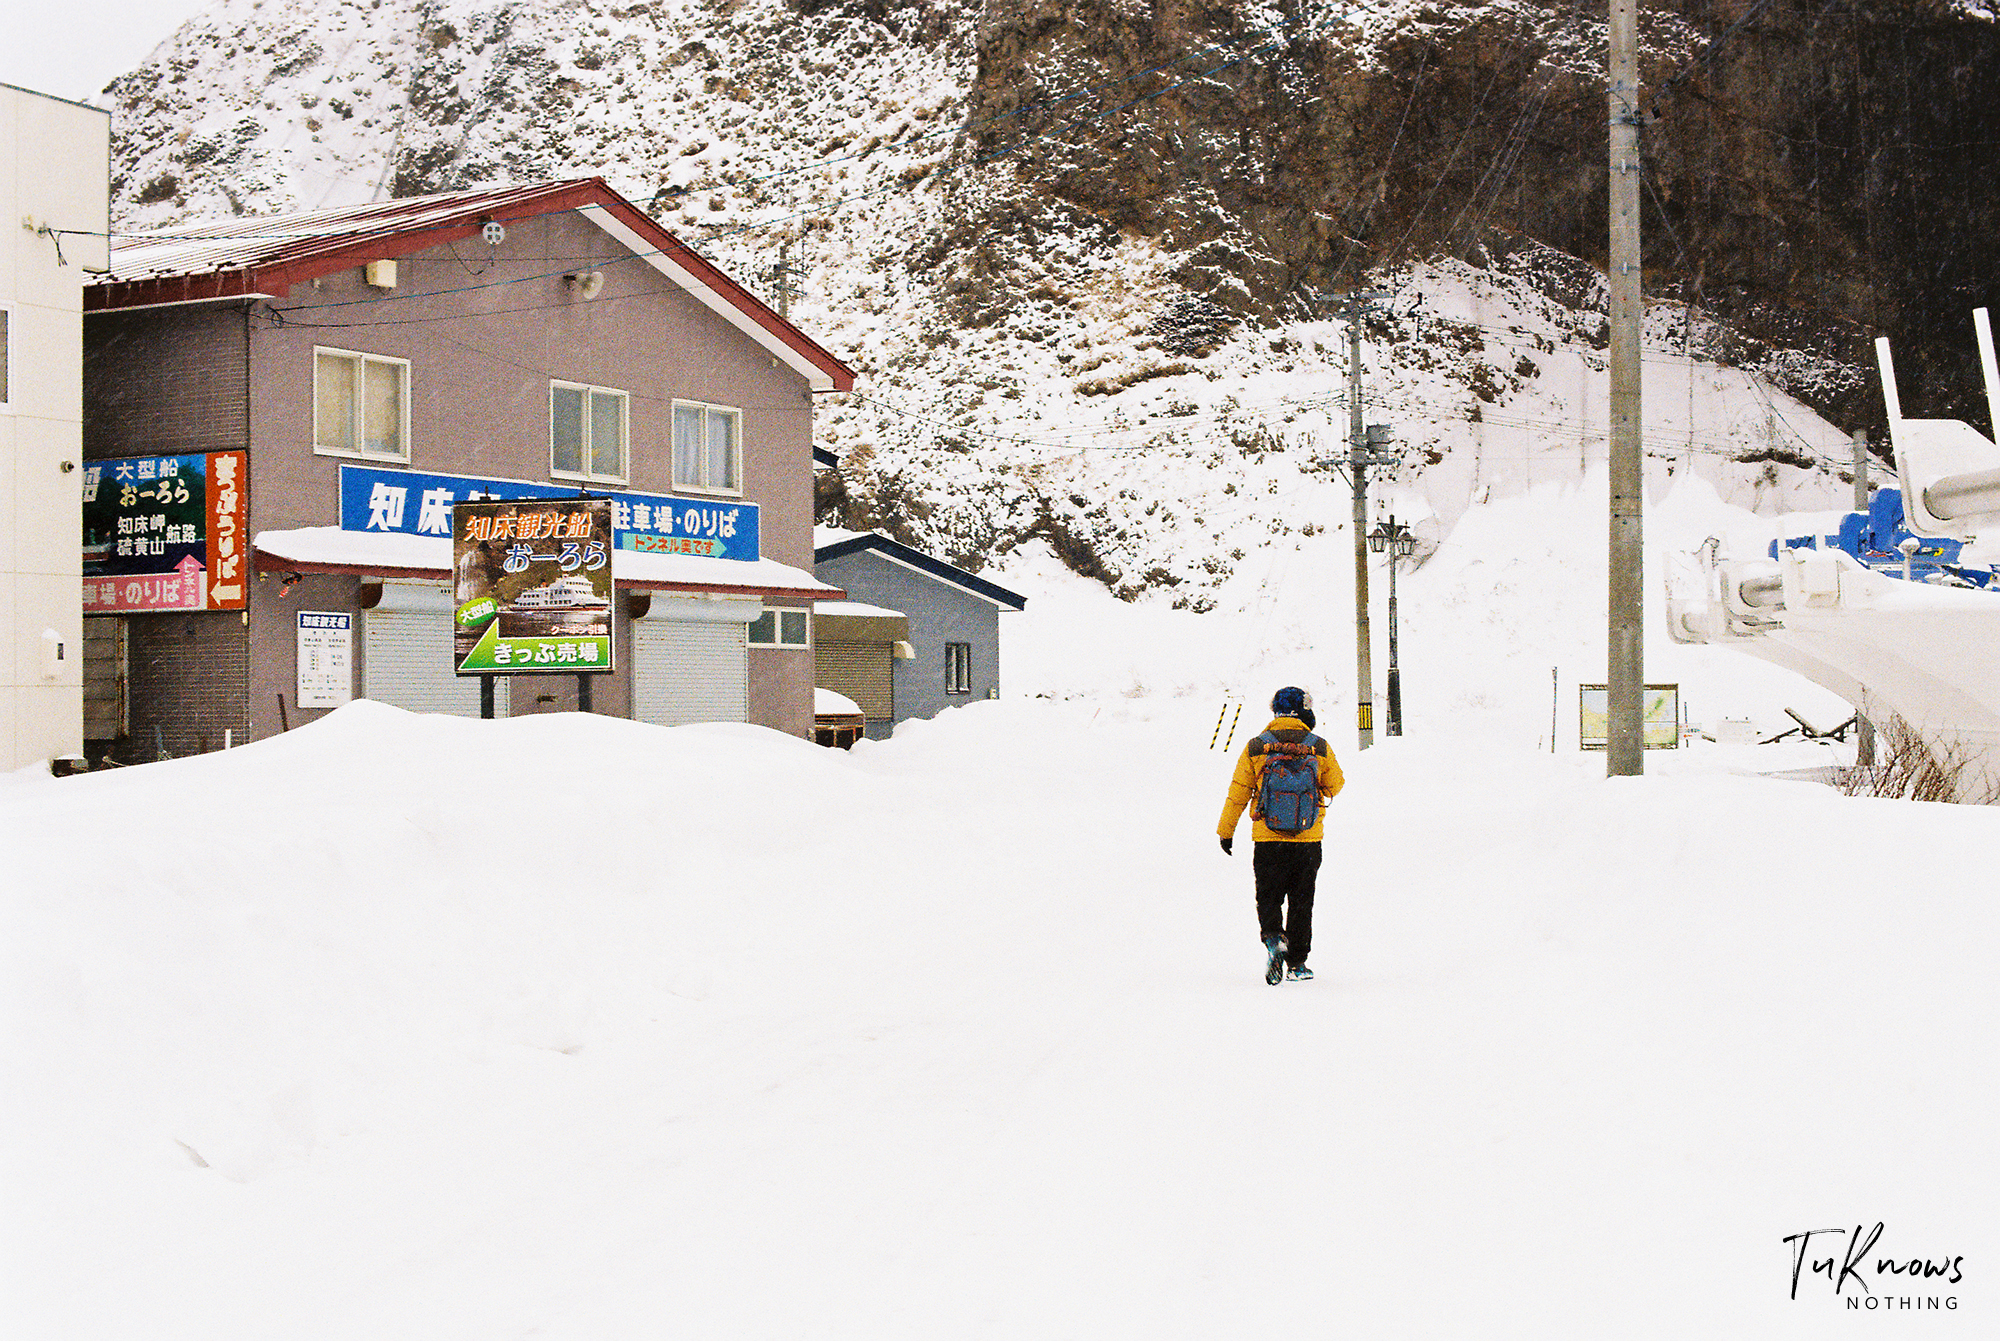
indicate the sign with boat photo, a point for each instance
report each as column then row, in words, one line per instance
column 532, row 586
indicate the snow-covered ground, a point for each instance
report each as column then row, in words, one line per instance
column 569, row 1027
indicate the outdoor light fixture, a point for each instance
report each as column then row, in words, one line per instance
column 587, row 283
column 492, row 233
column 1398, row 542
column 1392, row 532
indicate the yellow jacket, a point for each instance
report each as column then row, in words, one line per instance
column 1250, row 768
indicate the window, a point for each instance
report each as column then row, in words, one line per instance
column 361, row 405
column 958, row 668
column 708, row 448
column 587, row 432
column 779, row 628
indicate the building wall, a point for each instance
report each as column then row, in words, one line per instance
column 174, row 381
column 198, row 378
column 939, row 613
column 54, row 172
column 167, row 380
column 479, row 405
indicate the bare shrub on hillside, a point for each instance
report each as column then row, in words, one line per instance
column 1913, row 767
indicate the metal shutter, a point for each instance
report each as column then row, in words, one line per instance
column 686, row 672
column 863, row 672
column 406, row 662
column 106, row 715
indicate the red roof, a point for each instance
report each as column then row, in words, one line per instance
column 265, row 256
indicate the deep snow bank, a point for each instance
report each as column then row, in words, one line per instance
column 574, row 1027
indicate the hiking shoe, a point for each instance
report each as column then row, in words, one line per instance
column 1274, row 965
column 1299, row 973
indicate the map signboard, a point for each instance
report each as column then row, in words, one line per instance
column 411, row 502
column 166, row 533
column 1662, row 716
column 532, row 586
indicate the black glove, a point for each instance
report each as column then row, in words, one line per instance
column 1229, row 847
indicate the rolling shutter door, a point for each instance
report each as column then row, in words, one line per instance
column 863, row 672
column 105, row 708
column 689, row 672
column 407, row 657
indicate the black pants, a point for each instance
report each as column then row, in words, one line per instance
column 1286, row 874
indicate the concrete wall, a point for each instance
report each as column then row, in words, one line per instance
column 55, row 173
column 939, row 613
column 482, row 352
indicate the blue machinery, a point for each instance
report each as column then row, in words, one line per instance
column 1876, row 538
column 1837, row 610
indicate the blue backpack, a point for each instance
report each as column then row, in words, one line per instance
column 1288, row 787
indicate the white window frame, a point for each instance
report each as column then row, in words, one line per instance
column 624, row 430
column 777, row 640
column 681, row 486
column 10, row 345
column 362, row 359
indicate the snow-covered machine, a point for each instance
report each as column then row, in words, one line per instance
column 1891, row 610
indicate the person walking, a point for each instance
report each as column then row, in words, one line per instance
column 1284, row 777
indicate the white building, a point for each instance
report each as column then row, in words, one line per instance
column 55, row 168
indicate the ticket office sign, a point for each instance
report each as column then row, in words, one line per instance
column 409, row 502
column 166, row 533
column 532, row 587
column 326, row 659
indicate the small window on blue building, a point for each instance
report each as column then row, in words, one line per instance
column 958, row 668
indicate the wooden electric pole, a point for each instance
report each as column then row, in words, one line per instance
column 1367, row 445
column 1625, row 673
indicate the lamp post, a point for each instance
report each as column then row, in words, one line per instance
column 1394, row 538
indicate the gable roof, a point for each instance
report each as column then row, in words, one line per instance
column 831, row 543
column 265, row 256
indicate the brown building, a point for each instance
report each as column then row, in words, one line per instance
column 279, row 413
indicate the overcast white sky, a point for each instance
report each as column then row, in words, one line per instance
column 73, row 48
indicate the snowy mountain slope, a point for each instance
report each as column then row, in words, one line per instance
column 928, row 1049
column 1146, row 391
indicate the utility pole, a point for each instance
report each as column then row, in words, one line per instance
column 1366, row 446
column 782, row 280
column 1625, row 677
column 1864, row 730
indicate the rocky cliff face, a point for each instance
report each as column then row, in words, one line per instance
column 1825, row 175
column 1067, row 241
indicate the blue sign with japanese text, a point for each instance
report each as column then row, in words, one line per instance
column 411, row 502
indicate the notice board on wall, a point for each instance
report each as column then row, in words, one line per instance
column 326, row 658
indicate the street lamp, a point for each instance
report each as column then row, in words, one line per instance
column 1394, row 538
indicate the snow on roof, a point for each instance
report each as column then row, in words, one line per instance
column 826, row 703
column 330, row 549
column 272, row 239
column 265, row 256
column 855, row 609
